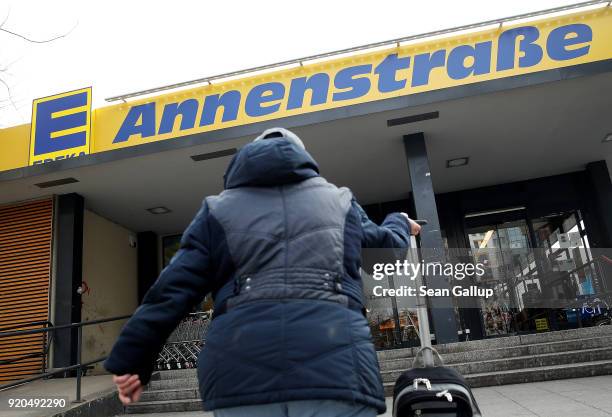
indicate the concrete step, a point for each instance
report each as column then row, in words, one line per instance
column 536, row 374
column 504, row 360
column 171, row 394
column 198, row 413
column 503, row 342
column 174, row 406
column 175, row 373
column 182, row 388
column 484, row 370
column 466, row 361
column 542, row 373
column 583, row 333
column 532, row 361
column 177, row 383
column 521, row 362
column 507, row 352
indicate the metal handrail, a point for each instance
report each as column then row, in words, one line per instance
column 62, row 326
column 54, row 372
column 46, row 346
column 29, row 324
column 78, row 366
column 397, row 41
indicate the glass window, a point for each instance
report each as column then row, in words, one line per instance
column 504, row 250
column 567, row 249
column 170, row 245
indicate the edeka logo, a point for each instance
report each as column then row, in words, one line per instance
column 61, row 126
column 514, row 51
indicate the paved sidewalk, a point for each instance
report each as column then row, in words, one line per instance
column 580, row 397
column 92, row 387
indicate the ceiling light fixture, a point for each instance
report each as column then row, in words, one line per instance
column 159, row 210
column 607, row 138
column 457, row 162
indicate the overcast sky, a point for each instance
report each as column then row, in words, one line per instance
column 118, row 46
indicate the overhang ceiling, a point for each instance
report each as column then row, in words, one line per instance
column 513, row 135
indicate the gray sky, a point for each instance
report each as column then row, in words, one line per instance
column 120, row 46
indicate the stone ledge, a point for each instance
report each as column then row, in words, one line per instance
column 101, row 404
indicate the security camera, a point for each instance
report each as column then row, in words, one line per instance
column 132, row 241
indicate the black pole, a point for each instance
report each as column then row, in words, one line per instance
column 68, row 229
column 80, row 368
column 442, row 310
column 148, row 255
column 397, row 334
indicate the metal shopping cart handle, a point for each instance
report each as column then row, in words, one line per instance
column 426, row 351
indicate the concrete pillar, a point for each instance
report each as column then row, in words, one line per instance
column 68, row 256
column 601, row 194
column 441, row 311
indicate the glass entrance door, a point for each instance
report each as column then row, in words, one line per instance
column 542, row 270
column 572, row 271
column 503, row 248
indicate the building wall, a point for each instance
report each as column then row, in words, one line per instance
column 110, row 275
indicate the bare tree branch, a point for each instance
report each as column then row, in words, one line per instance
column 4, row 69
column 9, row 65
column 18, row 35
column 8, row 13
column 10, row 95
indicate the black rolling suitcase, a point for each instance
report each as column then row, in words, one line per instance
column 435, row 391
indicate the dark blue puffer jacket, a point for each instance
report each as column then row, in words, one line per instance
column 279, row 250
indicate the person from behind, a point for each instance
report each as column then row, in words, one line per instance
column 280, row 251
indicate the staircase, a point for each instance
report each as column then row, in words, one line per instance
column 500, row 361
column 516, row 359
column 169, row 391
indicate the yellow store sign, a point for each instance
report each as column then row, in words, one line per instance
column 400, row 71
column 61, row 125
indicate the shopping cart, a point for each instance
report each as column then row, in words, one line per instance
column 183, row 346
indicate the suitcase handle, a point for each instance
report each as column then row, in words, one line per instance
column 420, row 352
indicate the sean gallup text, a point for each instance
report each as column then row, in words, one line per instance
column 423, row 291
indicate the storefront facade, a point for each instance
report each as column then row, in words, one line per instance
column 541, row 234
column 500, row 137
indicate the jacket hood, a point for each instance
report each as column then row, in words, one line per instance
column 269, row 162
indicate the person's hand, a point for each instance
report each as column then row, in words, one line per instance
column 129, row 388
column 415, row 228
